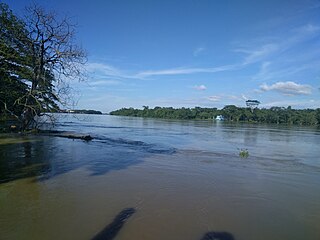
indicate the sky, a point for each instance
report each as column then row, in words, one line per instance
column 207, row 53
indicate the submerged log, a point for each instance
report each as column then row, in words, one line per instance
column 71, row 135
column 82, row 137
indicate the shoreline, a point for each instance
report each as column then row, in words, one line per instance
column 49, row 133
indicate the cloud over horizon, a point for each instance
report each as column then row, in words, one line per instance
column 214, row 98
column 287, row 88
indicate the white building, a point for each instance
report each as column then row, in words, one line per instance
column 219, row 118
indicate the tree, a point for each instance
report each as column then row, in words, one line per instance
column 52, row 57
column 55, row 57
column 231, row 113
column 13, row 61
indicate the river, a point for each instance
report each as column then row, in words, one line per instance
column 171, row 179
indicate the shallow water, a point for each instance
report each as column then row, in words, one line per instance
column 182, row 178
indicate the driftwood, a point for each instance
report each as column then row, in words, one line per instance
column 63, row 134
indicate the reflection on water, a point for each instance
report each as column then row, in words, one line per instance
column 183, row 179
column 49, row 156
column 25, row 157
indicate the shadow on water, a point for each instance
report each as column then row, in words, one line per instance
column 111, row 231
column 218, row 236
column 51, row 156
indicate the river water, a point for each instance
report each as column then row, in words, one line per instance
column 179, row 179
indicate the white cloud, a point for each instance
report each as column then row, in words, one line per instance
column 103, row 70
column 198, row 51
column 227, row 98
column 200, row 87
column 177, row 71
column 258, row 54
column 214, row 98
column 309, row 28
column 263, row 72
column 104, row 82
column 287, row 67
column 244, row 97
column 287, row 88
column 275, row 46
column 293, row 103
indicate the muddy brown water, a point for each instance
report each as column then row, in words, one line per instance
column 159, row 179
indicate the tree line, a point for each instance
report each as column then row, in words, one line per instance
column 38, row 53
column 231, row 113
column 82, row 111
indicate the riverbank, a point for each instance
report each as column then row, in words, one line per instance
column 230, row 113
column 8, row 124
column 49, row 133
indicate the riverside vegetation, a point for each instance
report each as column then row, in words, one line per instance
column 38, row 52
column 274, row 115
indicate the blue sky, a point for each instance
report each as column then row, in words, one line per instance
column 203, row 53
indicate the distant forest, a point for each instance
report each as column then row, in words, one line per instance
column 81, row 111
column 230, row 113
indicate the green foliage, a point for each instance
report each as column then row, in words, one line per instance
column 14, row 62
column 243, row 153
column 83, row 111
column 169, row 113
column 231, row 113
column 36, row 54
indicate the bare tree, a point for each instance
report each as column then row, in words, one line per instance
column 54, row 58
